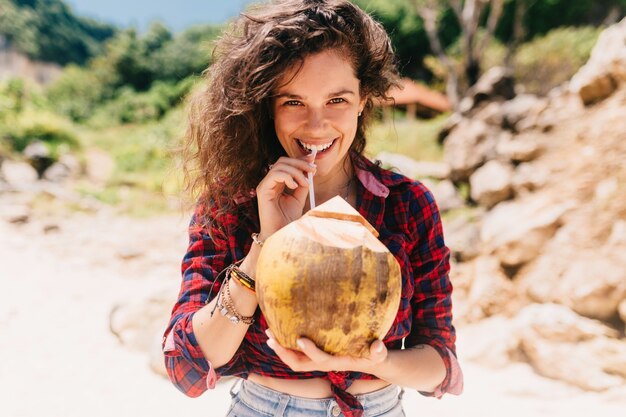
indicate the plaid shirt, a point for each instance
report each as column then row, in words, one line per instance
column 407, row 218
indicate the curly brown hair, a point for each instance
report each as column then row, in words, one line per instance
column 230, row 139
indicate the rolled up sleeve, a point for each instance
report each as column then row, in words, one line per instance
column 186, row 365
column 431, row 303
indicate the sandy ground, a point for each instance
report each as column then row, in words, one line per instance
column 59, row 358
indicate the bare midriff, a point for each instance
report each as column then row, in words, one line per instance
column 315, row 387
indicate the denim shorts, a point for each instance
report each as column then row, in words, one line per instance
column 253, row 400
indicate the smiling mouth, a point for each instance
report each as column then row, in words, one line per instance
column 308, row 148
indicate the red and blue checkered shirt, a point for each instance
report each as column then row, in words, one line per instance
column 407, row 218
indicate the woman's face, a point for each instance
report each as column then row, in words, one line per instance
column 317, row 107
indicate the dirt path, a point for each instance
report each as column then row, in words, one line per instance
column 60, row 359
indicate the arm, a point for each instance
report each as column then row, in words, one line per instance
column 190, row 351
column 199, row 346
column 431, row 303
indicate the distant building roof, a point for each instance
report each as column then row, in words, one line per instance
column 414, row 93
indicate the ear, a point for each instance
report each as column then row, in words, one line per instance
column 362, row 104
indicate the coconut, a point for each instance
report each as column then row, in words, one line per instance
column 328, row 278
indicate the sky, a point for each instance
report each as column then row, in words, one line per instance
column 175, row 14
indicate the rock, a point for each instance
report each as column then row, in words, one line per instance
column 463, row 239
column 51, row 227
column 621, row 310
column 618, row 234
column 491, row 291
column 446, row 195
column 18, row 175
column 136, row 323
column 559, row 323
column 492, row 114
column 562, row 345
column 451, row 123
column 606, row 189
column 129, row 252
column 517, row 231
column 99, row 166
column 15, row 213
column 67, row 167
column 606, row 67
column 490, row 342
column 519, row 148
column 412, row 168
column 529, row 177
column 523, row 107
column 492, row 183
column 579, row 365
column 57, row 172
column 38, row 155
column 471, row 144
column 593, row 285
column 496, row 83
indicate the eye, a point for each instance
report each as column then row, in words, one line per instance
column 291, row 103
column 337, row 100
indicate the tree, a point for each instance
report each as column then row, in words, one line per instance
column 469, row 14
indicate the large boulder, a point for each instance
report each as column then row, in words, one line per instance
column 18, row 175
column 495, row 84
column 491, row 291
column 492, row 183
column 517, row 231
column 562, row 345
column 519, row 148
column 446, row 194
column 468, row 146
column 524, row 108
column 606, row 67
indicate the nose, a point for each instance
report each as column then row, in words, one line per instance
column 316, row 119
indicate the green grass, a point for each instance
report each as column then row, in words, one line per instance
column 416, row 139
column 144, row 180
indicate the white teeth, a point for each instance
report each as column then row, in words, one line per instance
column 319, row 148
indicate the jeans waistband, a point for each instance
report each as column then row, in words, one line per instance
column 267, row 400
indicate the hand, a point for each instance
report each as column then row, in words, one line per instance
column 311, row 358
column 282, row 193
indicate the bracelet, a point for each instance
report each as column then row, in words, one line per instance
column 228, row 310
column 244, row 279
column 255, row 239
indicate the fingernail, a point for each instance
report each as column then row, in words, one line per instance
column 312, row 165
column 379, row 348
column 300, row 344
column 270, row 342
column 268, row 333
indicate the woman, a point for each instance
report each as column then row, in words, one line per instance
column 296, row 77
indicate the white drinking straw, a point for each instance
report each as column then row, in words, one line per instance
column 311, row 190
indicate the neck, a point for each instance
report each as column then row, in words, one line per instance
column 337, row 182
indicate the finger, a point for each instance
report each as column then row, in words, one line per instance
column 295, row 360
column 304, row 163
column 378, row 350
column 308, row 348
column 280, row 178
column 295, row 173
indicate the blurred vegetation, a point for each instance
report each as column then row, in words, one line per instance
column 47, row 30
column 416, row 139
column 123, row 92
column 549, row 60
column 407, row 33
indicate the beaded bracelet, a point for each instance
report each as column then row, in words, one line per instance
column 244, row 279
column 227, row 308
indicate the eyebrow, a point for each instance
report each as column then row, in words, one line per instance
column 297, row 97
